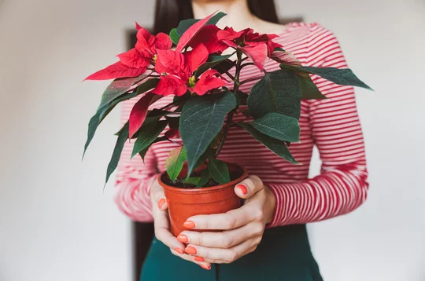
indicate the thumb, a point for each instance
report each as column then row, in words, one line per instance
column 158, row 197
column 248, row 187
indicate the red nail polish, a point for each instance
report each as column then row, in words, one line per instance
column 178, row 250
column 161, row 202
column 200, row 259
column 189, row 224
column 242, row 188
column 205, row 266
column 190, row 250
column 182, row 238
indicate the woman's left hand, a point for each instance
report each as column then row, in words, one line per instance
column 242, row 229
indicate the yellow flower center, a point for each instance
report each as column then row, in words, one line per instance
column 154, row 58
column 192, row 81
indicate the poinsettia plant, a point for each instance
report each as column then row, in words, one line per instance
column 200, row 65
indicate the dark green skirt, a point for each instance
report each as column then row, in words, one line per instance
column 284, row 254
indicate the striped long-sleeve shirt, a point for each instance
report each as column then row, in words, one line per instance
column 331, row 124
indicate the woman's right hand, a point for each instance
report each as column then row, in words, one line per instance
column 162, row 226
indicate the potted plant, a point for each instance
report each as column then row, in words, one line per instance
column 194, row 66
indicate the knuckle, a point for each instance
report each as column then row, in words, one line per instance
column 252, row 249
column 257, row 241
column 259, row 215
column 258, row 229
column 232, row 256
column 198, row 239
column 231, row 221
column 257, row 181
column 226, row 241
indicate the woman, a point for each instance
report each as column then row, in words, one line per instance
column 280, row 199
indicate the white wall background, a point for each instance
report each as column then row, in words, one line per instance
column 56, row 223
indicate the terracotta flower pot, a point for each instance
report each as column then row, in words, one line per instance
column 187, row 202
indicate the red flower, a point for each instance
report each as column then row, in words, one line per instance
column 135, row 62
column 256, row 46
column 208, row 81
column 208, row 36
column 191, row 32
column 178, row 69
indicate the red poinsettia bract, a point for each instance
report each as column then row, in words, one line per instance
column 178, row 72
column 135, row 62
column 256, row 46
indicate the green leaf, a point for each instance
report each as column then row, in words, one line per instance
column 174, row 162
column 104, row 110
column 113, row 163
column 174, row 36
column 205, row 177
column 157, row 113
column 344, row 76
column 224, row 66
column 211, row 62
column 184, row 25
column 214, row 20
column 145, row 150
column 192, row 180
column 218, row 171
column 201, row 119
column 147, row 134
column 308, row 88
column 173, row 122
column 101, row 113
column 278, row 91
column 277, row 146
column 278, row 126
column 117, row 88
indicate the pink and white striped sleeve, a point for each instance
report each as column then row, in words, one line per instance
column 134, row 179
column 342, row 185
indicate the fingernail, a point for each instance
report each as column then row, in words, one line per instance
column 200, row 259
column 182, row 238
column 178, row 250
column 189, row 224
column 161, row 202
column 190, row 250
column 242, row 188
column 205, row 266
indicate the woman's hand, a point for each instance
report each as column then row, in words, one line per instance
column 243, row 228
column 162, row 225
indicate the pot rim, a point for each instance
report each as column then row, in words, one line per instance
column 200, row 190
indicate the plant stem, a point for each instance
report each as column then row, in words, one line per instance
column 230, row 75
column 231, row 113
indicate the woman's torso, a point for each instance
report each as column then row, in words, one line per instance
column 284, row 253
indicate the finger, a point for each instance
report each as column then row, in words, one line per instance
column 163, row 234
column 230, row 220
column 224, row 239
column 225, row 255
column 248, row 187
column 202, row 263
column 158, row 197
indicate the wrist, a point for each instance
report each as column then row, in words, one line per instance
column 270, row 205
